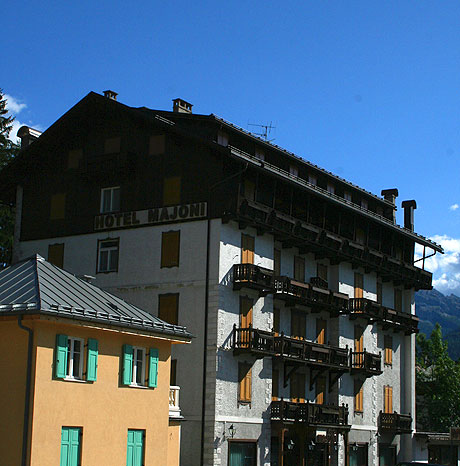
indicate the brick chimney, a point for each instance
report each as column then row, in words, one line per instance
column 110, row 94
column 181, row 106
column 409, row 207
column 28, row 135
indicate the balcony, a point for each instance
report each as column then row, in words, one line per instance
column 261, row 343
column 363, row 307
column 395, row 423
column 253, row 277
column 363, row 362
column 310, row 414
column 307, row 294
column 174, row 409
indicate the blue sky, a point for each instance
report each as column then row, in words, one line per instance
column 368, row 90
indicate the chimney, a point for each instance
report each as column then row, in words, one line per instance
column 409, row 207
column 181, row 106
column 28, row 135
column 390, row 195
column 110, row 94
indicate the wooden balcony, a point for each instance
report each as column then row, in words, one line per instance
column 310, row 414
column 261, row 343
column 384, row 316
column 395, row 423
column 307, row 294
column 366, row 363
column 253, row 277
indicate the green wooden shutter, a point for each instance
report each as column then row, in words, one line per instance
column 60, row 362
column 153, row 367
column 128, row 356
column 70, row 446
column 91, row 366
column 135, row 449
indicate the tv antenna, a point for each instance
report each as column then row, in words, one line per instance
column 266, row 130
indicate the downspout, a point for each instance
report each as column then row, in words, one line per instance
column 25, row 430
column 206, row 302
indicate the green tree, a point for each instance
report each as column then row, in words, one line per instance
column 8, row 150
column 437, row 384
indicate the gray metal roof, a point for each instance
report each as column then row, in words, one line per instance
column 36, row 285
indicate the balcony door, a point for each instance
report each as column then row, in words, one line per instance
column 359, row 285
column 298, row 324
column 320, row 391
column 321, row 331
column 247, row 249
column 358, row 359
column 245, row 320
column 297, row 388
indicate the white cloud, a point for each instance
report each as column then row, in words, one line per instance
column 454, row 207
column 13, row 105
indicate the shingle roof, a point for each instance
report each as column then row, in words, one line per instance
column 36, row 285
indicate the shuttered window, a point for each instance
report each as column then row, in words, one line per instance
column 245, row 312
column 298, row 324
column 172, row 190
column 275, row 384
column 56, row 254
column 277, row 262
column 359, row 389
column 168, row 308
column 91, row 360
column 70, row 446
column 379, row 292
column 170, row 248
column 297, row 388
column 358, row 285
column 247, row 249
column 244, row 382
column 387, row 399
column 359, row 346
column 57, row 206
column 60, row 359
column 135, row 448
column 299, row 268
column 68, row 359
column 321, row 271
column 134, row 366
column 321, row 390
column 321, row 331
column 153, row 367
column 388, row 344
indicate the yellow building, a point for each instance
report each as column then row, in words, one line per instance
column 85, row 375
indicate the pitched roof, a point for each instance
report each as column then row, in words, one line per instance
column 36, row 285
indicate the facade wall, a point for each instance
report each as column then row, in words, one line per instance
column 13, row 361
column 174, row 436
column 104, row 409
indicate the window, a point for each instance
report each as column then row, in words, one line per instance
column 247, row 249
column 379, row 292
column 222, row 138
column 157, row 144
column 74, row 157
column 398, row 299
column 359, row 389
column 69, row 355
column 56, row 254
column 135, row 448
column 249, row 189
column 275, row 384
column 388, row 344
column 298, row 324
column 359, row 455
column 297, row 388
column 173, row 373
column 347, row 196
column 170, row 248
column 260, row 154
column 112, row 145
column 168, row 308
column 299, row 268
column 242, row 453
column 364, row 204
column 110, row 199
column 330, row 188
column 277, row 262
column 358, row 285
column 108, row 255
column 321, row 331
column 321, row 390
column 245, row 312
column 244, row 382
column 293, row 170
column 172, row 190
column 312, row 179
column 360, row 236
column 70, row 446
column 321, row 272
column 57, row 207
column 387, row 399
column 134, row 366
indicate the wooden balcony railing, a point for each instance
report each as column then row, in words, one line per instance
column 310, row 295
column 262, row 343
column 395, row 423
column 252, row 276
column 310, row 414
column 174, row 409
column 319, row 282
column 366, row 363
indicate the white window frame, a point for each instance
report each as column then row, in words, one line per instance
column 347, row 196
column 70, row 358
column 222, row 138
column 135, row 368
column 293, row 170
column 364, row 204
column 312, row 179
column 101, row 249
column 330, row 188
column 111, row 208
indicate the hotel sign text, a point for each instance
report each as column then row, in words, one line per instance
column 150, row 216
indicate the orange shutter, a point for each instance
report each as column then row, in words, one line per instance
column 359, row 346
column 244, row 377
column 299, row 268
column 245, row 312
column 388, row 399
column 358, row 285
column 170, row 248
column 321, row 327
column 168, row 307
column 388, row 343
column 358, row 396
column 320, row 390
column 247, row 249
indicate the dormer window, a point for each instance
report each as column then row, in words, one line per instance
column 222, row 138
